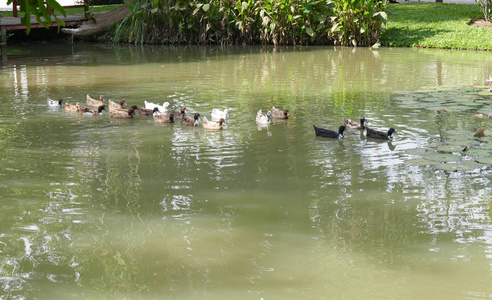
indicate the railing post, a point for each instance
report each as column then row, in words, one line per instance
column 86, row 7
column 14, row 8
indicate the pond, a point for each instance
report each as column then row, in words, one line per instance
column 95, row 207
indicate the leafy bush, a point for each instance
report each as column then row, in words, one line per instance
column 277, row 22
column 486, row 8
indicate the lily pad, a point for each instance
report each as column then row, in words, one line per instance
column 486, row 146
column 485, row 160
column 419, row 151
column 442, row 157
column 450, row 148
column 455, row 167
column 421, row 162
column 478, row 152
column 473, row 163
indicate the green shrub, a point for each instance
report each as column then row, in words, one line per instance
column 277, row 22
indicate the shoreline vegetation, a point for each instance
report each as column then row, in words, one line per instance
column 294, row 22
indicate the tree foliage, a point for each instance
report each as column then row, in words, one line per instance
column 42, row 10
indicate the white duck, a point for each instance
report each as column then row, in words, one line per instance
column 54, row 103
column 262, row 119
column 162, row 108
column 218, row 114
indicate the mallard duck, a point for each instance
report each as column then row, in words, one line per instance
column 93, row 102
column 71, row 107
column 164, row 118
column 330, row 133
column 94, row 112
column 113, row 105
column 379, row 134
column 162, row 108
column 123, row 113
column 279, row 114
column 263, row 119
column 212, row 125
column 218, row 114
column 54, row 103
column 147, row 112
column 480, row 133
column 187, row 120
column 353, row 124
column 179, row 114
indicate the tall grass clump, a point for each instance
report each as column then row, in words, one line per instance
column 277, row 22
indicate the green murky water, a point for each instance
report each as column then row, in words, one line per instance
column 97, row 208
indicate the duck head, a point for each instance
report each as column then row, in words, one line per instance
column 101, row 98
column 101, row 108
column 155, row 110
column 341, row 130
column 391, row 131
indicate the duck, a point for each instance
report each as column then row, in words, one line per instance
column 93, row 102
column 263, row 119
column 330, row 133
column 164, row 118
column 94, row 112
column 353, row 124
column 147, row 112
column 162, row 108
column 379, row 134
column 212, row 125
column 54, row 103
column 113, row 105
column 179, row 114
column 71, row 107
column 123, row 114
column 279, row 114
column 218, row 114
column 187, row 120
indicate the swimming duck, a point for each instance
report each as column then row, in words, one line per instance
column 379, row 134
column 54, row 103
column 279, row 114
column 94, row 112
column 218, row 114
column 179, row 114
column 162, row 108
column 187, row 120
column 330, row 133
column 263, row 119
column 212, row 125
column 164, row 118
column 113, row 105
column 71, row 107
column 123, row 114
column 148, row 112
column 93, row 102
column 353, row 124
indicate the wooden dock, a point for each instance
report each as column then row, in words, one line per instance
column 14, row 23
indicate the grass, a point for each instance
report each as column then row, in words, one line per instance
column 435, row 25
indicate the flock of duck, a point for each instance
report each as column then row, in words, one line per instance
column 165, row 114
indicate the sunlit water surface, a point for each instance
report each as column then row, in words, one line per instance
column 93, row 207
